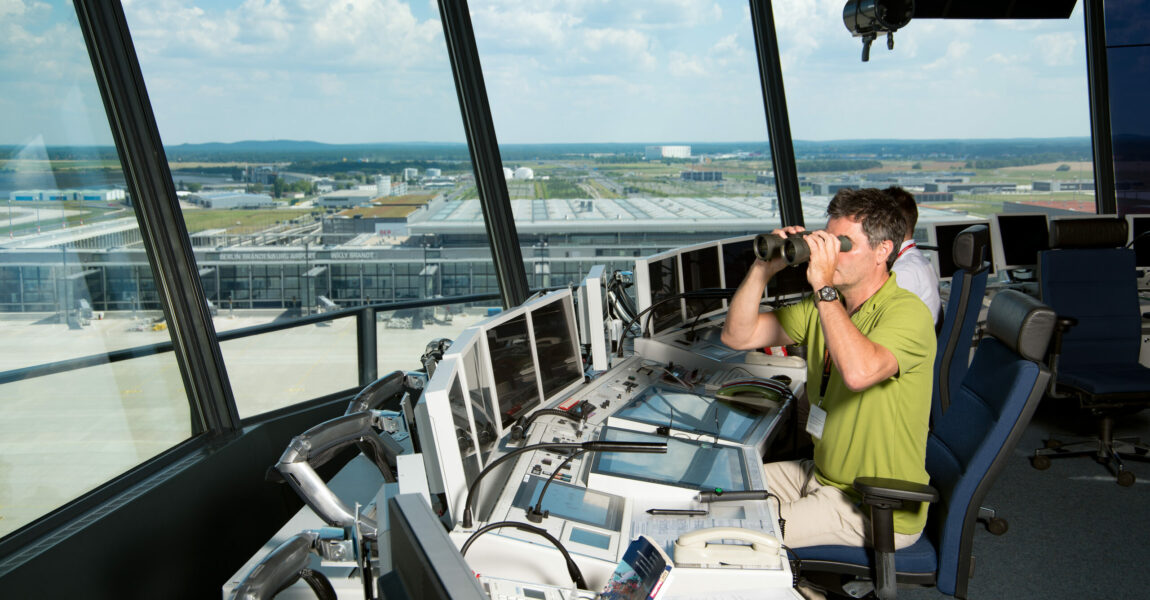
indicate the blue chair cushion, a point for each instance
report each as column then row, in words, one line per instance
column 919, row 557
column 1108, row 379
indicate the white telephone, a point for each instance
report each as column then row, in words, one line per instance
column 702, row 547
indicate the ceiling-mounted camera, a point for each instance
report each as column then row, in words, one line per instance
column 869, row 18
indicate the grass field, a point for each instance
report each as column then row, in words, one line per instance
column 238, row 221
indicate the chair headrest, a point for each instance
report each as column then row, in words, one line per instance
column 1022, row 323
column 1103, row 232
column 970, row 248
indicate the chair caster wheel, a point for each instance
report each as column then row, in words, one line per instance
column 997, row 526
column 1052, row 444
column 1125, row 478
column 1040, row 462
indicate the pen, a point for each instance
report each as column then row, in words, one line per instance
column 679, row 512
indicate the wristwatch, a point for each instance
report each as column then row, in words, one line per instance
column 828, row 294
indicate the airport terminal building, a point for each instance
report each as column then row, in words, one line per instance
column 440, row 249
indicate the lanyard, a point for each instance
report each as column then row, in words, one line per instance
column 826, row 375
column 903, row 251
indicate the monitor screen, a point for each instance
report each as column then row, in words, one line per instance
column 1018, row 238
column 942, row 237
column 425, row 562
column 1139, row 226
column 664, row 279
column 737, row 260
column 689, row 464
column 477, row 386
column 791, row 281
column 512, row 368
column 701, row 271
column 687, row 411
column 557, row 346
column 463, row 433
column 572, row 503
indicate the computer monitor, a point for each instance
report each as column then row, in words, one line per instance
column 425, row 563
column 1017, row 238
column 447, row 438
column 656, row 283
column 1139, row 226
column 941, row 236
column 702, row 270
column 556, row 346
column 517, row 340
column 594, row 326
column 476, row 381
column 738, row 256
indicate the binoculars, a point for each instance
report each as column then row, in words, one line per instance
column 793, row 249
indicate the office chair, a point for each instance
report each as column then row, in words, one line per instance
column 1090, row 280
column 966, row 449
column 967, row 288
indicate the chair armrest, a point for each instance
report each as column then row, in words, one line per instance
column 883, row 491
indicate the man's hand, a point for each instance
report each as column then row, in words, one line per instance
column 824, row 257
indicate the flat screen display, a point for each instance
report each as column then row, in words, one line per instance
column 467, row 450
column 572, row 503
column 737, row 260
column 944, row 234
column 556, row 343
column 1139, row 225
column 512, row 368
column 687, row 411
column 664, row 278
column 1022, row 236
column 791, row 281
column 689, row 464
column 701, row 272
column 479, row 398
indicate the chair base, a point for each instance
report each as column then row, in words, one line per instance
column 1105, row 449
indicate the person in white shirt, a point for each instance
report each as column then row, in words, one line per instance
column 912, row 269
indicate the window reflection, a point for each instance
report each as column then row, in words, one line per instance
column 73, row 283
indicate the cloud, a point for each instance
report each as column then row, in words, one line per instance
column 1057, row 49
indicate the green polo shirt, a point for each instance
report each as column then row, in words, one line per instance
column 882, row 430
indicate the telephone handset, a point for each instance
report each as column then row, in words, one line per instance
column 702, row 547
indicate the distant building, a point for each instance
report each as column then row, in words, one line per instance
column 383, row 185
column 1063, row 186
column 348, row 198
column 434, row 173
column 971, row 188
column 524, row 173
column 934, row 197
column 229, row 200
column 701, row 175
column 410, row 174
column 826, row 188
column 765, row 178
column 108, row 195
column 657, row 152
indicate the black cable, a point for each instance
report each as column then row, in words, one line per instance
column 555, row 412
column 704, row 293
column 596, row 445
column 572, row 568
column 319, row 583
column 536, row 514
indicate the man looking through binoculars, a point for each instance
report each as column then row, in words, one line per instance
column 870, row 356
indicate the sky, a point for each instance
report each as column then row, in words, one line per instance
column 649, row 71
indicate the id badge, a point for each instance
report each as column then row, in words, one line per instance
column 816, row 420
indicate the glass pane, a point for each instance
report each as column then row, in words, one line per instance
column 71, row 284
column 625, row 128
column 975, row 118
column 312, row 145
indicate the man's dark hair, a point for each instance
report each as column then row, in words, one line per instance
column 880, row 216
column 906, row 204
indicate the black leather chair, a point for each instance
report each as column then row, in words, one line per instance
column 1090, row 280
column 967, row 448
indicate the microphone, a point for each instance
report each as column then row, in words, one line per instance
column 721, row 496
column 592, row 446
